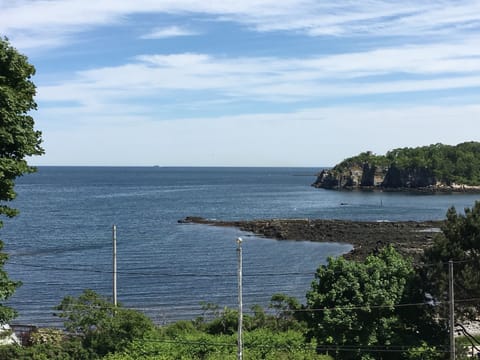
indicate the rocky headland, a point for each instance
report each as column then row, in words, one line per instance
column 409, row 237
column 433, row 168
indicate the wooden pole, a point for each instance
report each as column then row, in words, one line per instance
column 114, row 260
column 452, row 310
column 240, row 300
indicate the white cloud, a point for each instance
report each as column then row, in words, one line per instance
column 168, row 32
column 384, row 71
column 60, row 19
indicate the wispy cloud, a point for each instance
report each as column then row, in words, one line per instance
column 168, row 32
column 373, row 17
column 60, row 19
column 384, row 71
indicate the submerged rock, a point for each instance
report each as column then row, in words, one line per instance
column 408, row 237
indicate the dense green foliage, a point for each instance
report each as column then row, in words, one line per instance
column 193, row 344
column 459, row 242
column 367, row 157
column 450, row 164
column 100, row 331
column 18, row 140
column 102, row 327
column 68, row 349
column 7, row 288
column 458, row 164
column 281, row 317
column 354, row 312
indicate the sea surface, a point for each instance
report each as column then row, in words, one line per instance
column 61, row 243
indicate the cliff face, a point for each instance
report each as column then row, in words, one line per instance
column 434, row 167
column 412, row 178
column 369, row 176
column 357, row 176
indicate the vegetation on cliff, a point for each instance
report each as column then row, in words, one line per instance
column 435, row 166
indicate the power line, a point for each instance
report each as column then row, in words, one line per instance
column 322, row 347
column 154, row 273
column 196, row 274
column 270, row 309
column 216, row 275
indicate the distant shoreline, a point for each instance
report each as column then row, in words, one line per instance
column 409, row 237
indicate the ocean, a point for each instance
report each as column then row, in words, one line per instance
column 61, row 243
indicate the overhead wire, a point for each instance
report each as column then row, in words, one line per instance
column 159, row 273
column 41, row 267
column 219, row 309
column 193, row 274
column 317, row 347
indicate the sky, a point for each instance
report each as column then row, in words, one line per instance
column 246, row 82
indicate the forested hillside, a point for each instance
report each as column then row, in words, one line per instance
column 435, row 166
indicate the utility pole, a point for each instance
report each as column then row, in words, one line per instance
column 240, row 300
column 452, row 310
column 114, row 272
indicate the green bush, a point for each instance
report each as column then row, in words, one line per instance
column 102, row 327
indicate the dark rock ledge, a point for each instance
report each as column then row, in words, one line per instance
column 408, row 237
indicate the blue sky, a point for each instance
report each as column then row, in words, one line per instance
column 244, row 82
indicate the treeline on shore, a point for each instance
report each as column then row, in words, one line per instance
column 384, row 307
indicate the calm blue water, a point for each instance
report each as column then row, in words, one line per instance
column 61, row 242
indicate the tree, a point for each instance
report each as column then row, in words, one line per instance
column 459, row 241
column 18, row 140
column 287, row 314
column 353, row 307
column 102, row 327
column 7, row 288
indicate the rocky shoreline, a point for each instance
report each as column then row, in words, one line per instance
column 354, row 179
column 409, row 237
column 433, row 168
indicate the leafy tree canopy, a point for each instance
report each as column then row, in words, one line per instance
column 459, row 241
column 7, row 289
column 103, row 327
column 18, row 140
column 353, row 307
column 175, row 343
